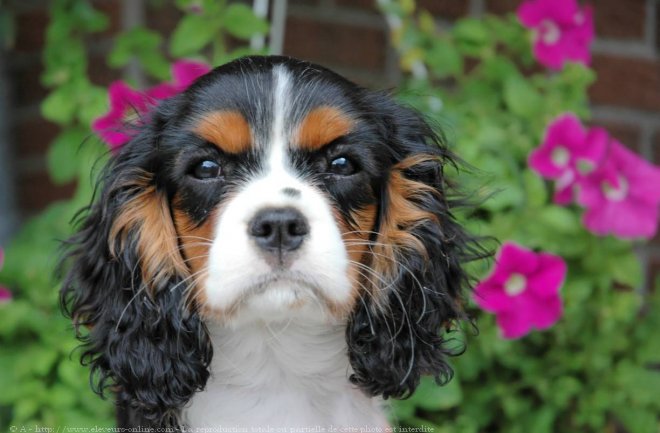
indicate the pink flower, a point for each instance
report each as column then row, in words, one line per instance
column 185, row 72
column 568, row 153
column 523, row 290
column 128, row 107
column 562, row 31
column 5, row 294
column 623, row 196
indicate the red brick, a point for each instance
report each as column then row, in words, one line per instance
column 620, row 19
column 99, row 72
column 356, row 4
column 163, row 18
column 315, row 2
column 36, row 191
column 502, row 6
column 33, row 136
column 657, row 32
column 336, row 44
column 26, row 85
column 31, row 30
column 447, row 9
column 112, row 10
column 624, row 132
column 626, row 82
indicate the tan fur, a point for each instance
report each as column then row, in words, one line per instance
column 148, row 214
column 395, row 234
column 321, row 126
column 228, row 130
column 195, row 241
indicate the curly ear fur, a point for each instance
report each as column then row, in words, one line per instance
column 126, row 284
column 396, row 334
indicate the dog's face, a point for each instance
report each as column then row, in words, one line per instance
column 271, row 188
column 275, row 195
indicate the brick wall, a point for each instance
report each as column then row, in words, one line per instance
column 350, row 36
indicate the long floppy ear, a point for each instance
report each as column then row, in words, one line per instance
column 126, row 284
column 396, row 334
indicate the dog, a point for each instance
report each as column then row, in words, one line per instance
column 275, row 248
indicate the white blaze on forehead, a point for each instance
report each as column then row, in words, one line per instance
column 237, row 265
column 279, row 135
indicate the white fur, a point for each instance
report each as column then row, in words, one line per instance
column 235, row 263
column 286, row 375
column 280, row 359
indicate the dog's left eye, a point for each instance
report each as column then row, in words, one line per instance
column 342, row 166
column 206, row 170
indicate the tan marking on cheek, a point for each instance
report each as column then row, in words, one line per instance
column 321, row 126
column 402, row 216
column 147, row 216
column 228, row 130
column 195, row 240
column 356, row 242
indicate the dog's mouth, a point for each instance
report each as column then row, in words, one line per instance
column 279, row 293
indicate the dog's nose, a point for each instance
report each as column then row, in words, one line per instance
column 279, row 229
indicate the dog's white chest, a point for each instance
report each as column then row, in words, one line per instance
column 278, row 377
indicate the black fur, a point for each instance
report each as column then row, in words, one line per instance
column 151, row 351
column 390, row 349
column 154, row 352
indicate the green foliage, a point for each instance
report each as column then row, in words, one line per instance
column 587, row 374
column 592, row 371
column 41, row 381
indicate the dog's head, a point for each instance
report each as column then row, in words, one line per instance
column 271, row 188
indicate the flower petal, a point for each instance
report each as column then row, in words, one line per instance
column 491, row 297
column 5, row 295
column 185, row 72
column 515, row 258
column 547, row 313
column 513, row 324
column 548, row 279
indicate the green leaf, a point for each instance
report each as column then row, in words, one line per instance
column 63, row 155
column 521, row 97
column 59, row 106
column 638, row 419
column 627, row 269
column 144, row 45
column 444, row 59
column 472, row 36
column 241, row 22
column 431, row 396
column 556, row 219
column 192, row 34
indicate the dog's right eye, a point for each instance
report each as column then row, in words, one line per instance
column 206, row 170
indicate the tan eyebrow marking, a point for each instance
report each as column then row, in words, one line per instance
column 229, row 130
column 321, row 126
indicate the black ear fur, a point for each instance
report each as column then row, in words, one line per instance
column 391, row 347
column 141, row 343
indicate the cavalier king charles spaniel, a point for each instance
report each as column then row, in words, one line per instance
column 274, row 248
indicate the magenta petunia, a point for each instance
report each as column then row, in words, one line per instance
column 5, row 294
column 185, row 72
column 562, row 31
column 568, row 153
column 523, row 290
column 129, row 106
column 622, row 197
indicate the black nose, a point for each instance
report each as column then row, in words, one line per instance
column 278, row 229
